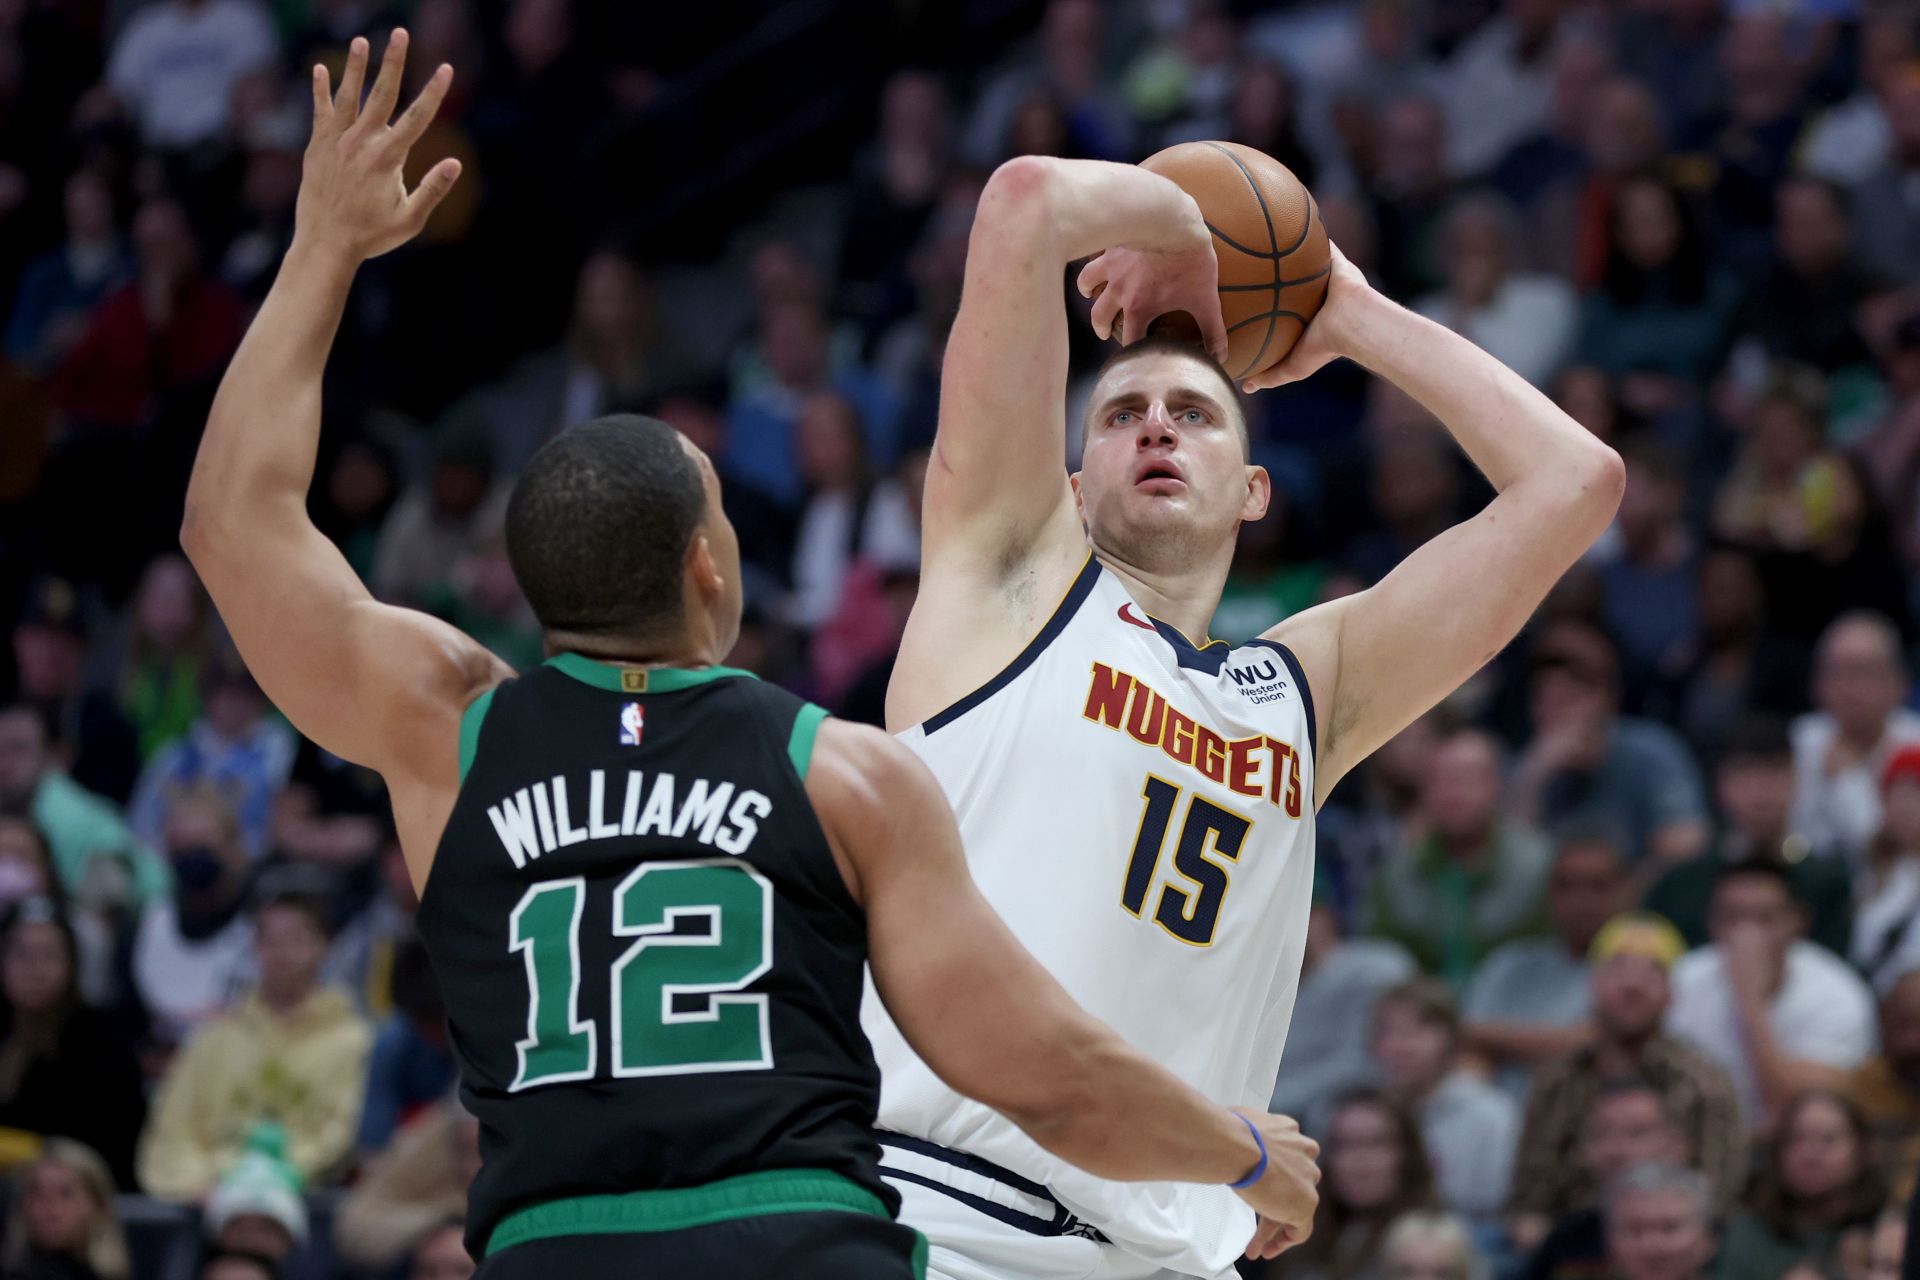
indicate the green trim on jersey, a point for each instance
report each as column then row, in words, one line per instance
column 919, row 1255
column 806, row 727
column 748, row 1196
column 619, row 679
column 470, row 720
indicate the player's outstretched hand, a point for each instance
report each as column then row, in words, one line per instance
column 1329, row 336
column 1289, row 1193
column 353, row 198
column 1131, row 288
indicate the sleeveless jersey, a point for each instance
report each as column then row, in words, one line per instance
column 651, row 963
column 1140, row 812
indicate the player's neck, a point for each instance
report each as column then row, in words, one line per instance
column 677, row 651
column 1186, row 598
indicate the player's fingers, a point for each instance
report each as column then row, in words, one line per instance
column 346, row 103
column 1213, row 329
column 1105, row 307
column 432, row 190
column 322, row 98
column 386, row 87
column 414, row 121
column 1094, row 276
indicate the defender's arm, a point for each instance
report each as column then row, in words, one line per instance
column 995, row 1025
column 380, row 686
column 1379, row 659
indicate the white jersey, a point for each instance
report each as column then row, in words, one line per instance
column 1140, row 813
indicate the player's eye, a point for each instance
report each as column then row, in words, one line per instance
column 1123, row 417
column 1194, row 415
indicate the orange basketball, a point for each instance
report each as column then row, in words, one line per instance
column 1268, row 238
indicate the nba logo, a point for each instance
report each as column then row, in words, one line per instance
column 632, row 720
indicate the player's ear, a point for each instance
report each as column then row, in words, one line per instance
column 703, row 569
column 1079, row 500
column 1259, row 494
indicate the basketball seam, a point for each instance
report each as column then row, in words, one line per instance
column 1267, row 315
column 1273, row 244
column 1284, row 284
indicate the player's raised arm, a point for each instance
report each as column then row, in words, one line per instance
column 1378, row 659
column 997, row 483
column 380, row 686
column 996, row 1026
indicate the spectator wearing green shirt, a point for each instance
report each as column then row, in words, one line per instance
column 99, row 859
column 1471, row 880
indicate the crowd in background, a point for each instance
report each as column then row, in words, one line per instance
column 1613, row 968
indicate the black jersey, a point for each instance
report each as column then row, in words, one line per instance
column 652, row 965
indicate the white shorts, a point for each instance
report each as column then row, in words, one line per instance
column 986, row 1223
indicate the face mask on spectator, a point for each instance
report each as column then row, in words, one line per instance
column 197, row 866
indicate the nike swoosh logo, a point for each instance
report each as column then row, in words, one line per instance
column 1127, row 615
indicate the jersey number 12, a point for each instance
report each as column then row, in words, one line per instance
column 653, row 1035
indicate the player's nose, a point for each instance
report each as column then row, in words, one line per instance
column 1156, row 425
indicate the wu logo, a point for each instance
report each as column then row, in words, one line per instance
column 1255, row 675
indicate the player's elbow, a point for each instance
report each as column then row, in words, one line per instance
column 1066, row 1108
column 1602, row 478
column 1019, row 197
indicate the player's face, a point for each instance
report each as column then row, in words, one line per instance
column 1164, row 479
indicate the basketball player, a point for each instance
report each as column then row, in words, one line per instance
column 648, row 882
column 1135, row 800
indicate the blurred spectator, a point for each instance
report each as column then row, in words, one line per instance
column 418, row 1182
column 1474, row 880
column 66, row 282
column 65, row 1069
column 1469, row 1126
column 1525, row 320
column 1587, row 761
column 1410, row 193
column 237, row 746
column 27, row 872
column 191, row 952
column 1848, row 142
column 1737, row 664
column 1272, row 577
column 1766, row 489
column 225, row 1265
column 763, row 430
column 1263, row 113
column 1889, row 1248
column 1649, row 588
column 1068, row 65
column 161, row 338
column 1631, row 959
column 895, row 189
column 1530, row 999
column 616, row 354
column 1661, row 314
column 1885, row 942
column 1819, row 1179
column 1628, row 1126
column 49, row 651
column 1660, row 1224
column 1777, row 1012
column 1886, row 1088
column 1754, row 788
column 293, row 1052
column 1186, row 74
column 1841, row 749
column 96, row 854
column 274, row 139
column 1429, row 1246
column 256, row 1207
column 62, row 1224
column 482, row 599
column 1830, row 550
column 1749, row 136
column 847, row 514
column 1376, row 1170
column 1414, row 481
column 176, row 63
column 361, row 487
column 1544, row 173
column 1625, row 136
column 1802, row 308
column 165, row 650
column 1498, row 85
column 1333, row 1014
column 441, row 1255
column 411, row 1064
column 433, row 524
column 1886, row 214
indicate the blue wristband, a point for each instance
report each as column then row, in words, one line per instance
column 1259, row 1170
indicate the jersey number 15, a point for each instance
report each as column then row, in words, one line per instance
column 1190, row 912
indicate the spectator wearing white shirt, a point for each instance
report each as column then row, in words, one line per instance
column 1860, row 689
column 1779, row 1013
column 1886, row 924
column 177, row 62
column 1527, row 321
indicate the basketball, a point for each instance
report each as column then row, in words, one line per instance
column 1268, row 238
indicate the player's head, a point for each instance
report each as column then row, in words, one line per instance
column 617, row 536
column 1164, row 474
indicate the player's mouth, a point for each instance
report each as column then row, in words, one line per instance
column 1160, row 476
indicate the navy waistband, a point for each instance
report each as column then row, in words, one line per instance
column 1061, row 1223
